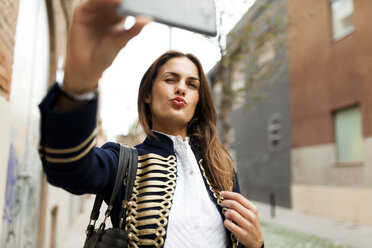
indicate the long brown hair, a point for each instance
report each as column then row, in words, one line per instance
column 217, row 163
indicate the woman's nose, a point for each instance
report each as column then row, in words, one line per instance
column 181, row 89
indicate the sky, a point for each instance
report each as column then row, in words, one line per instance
column 119, row 83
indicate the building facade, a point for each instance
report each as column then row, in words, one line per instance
column 24, row 37
column 33, row 38
column 331, row 108
column 320, row 101
column 8, row 18
column 259, row 112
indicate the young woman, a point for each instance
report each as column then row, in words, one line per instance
column 186, row 192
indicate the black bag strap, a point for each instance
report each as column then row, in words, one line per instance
column 96, row 207
column 131, row 175
column 127, row 165
column 125, row 155
column 132, row 172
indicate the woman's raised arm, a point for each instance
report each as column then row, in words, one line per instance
column 68, row 127
column 96, row 36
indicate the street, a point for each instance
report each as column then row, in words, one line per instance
column 281, row 237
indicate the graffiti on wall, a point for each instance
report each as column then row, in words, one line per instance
column 11, row 196
column 20, row 213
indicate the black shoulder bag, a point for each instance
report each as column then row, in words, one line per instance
column 114, row 237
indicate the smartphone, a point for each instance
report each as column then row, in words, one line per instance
column 193, row 15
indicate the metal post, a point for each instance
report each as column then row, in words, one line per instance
column 272, row 204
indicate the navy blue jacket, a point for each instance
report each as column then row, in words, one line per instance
column 71, row 161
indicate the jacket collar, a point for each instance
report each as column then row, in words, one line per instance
column 160, row 141
column 163, row 142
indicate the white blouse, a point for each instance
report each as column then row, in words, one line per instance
column 194, row 219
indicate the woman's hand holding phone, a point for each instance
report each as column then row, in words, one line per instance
column 96, row 36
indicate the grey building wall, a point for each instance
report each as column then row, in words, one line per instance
column 262, row 169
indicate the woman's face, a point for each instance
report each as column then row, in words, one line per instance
column 174, row 96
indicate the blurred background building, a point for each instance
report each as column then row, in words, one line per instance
column 299, row 107
column 259, row 108
column 331, row 108
column 32, row 52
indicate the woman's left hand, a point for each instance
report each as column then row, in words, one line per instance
column 242, row 219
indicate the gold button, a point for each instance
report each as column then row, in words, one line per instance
column 130, row 236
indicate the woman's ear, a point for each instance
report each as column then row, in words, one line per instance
column 148, row 99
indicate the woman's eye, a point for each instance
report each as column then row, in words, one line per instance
column 169, row 80
column 193, row 85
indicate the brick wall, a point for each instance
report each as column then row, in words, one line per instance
column 327, row 75
column 8, row 21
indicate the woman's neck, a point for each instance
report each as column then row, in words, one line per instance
column 174, row 132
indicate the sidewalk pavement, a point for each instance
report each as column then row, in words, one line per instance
column 340, row 232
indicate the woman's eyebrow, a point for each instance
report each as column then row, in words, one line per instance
column 178, row 75
column 172, row 73
column 194, row 78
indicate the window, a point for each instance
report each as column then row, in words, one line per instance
column 349, row 139
column 238, row 84
column 342, row 18
column 266, row 53
column 274, row 132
